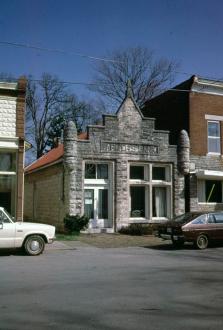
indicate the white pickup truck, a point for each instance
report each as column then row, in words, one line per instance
column 30, row 236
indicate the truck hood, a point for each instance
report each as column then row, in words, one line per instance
column 33, row 226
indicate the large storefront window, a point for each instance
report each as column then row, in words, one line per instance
column 150, row 191
column 8, row 181
column 98, row 194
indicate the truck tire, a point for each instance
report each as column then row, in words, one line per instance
column 34, row 245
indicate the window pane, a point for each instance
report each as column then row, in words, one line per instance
column 7, row 162
column 159, row 173
column 159, row 202
column 7, row 193
column 213, row 191
column 213, row 129
column 90, row 171
column 219, row 218
column 214, row 145
column 3, row 217
column 89, row 203
column 102, row 171
column 137, row 201
column 103, row 204
column 200, row 220
column 137, row 172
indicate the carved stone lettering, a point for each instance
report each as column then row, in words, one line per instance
column 119, row 147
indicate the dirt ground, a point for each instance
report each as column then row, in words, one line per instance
column 117, row 240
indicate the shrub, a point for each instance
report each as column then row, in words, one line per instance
column 75, row 223
column 137, row 229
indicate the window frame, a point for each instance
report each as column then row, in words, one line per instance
column 149, row 184
column 214, row 137
column 201, row 192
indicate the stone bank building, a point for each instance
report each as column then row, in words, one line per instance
column 127, row 170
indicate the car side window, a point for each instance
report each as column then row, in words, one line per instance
column 211, row 218
column 200, row 220
column 3, row 217
column 218, row 217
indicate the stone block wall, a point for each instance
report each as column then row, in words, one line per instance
column 7, row 116
column 44, row 196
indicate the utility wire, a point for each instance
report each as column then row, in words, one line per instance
column 58, row 51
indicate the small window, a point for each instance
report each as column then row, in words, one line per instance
column 213, row 191
column 159, row 173
column 137, row 172
column 137, row 201
column 96, row 171
column 102, row 171
column 211, row 218
column 214, row 137
column 90, row 171
column 219, row 217
column 7, row 162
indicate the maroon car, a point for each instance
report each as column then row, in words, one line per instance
column 193, row 227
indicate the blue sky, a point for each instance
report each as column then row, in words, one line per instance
column 189, row 32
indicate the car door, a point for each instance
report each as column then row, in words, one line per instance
column 218, row 225
column 7, row 231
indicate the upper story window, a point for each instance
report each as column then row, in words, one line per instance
column 214, row 145
column 96, row 171
column 7, row 162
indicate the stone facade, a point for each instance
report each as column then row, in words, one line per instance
column 12, row 146
column 124, row 172
column 123, row 139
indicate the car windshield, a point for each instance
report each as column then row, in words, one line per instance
column 183, row 218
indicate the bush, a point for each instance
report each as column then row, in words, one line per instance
column 75, row 223
column 137, row 229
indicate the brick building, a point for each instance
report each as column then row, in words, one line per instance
column 121, row 172
column 196, row 105
column 12, row 146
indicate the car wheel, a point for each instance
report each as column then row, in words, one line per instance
column 202, row 242
column 34, row 245
column 178, row 244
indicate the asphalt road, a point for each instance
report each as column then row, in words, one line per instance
column 79, row 287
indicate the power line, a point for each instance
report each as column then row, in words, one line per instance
column 58, row 51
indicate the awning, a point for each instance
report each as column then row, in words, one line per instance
column 207, row 174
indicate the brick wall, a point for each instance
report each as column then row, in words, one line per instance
column 201, row 104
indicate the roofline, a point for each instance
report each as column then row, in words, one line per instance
column 43, row 167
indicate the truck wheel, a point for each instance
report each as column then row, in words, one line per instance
column 34, row 245
column 201, row 242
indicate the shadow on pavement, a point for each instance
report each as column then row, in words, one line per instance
column 11, row 252
column 186, row 246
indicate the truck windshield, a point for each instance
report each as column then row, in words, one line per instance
column 8, row 215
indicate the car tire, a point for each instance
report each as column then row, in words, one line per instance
column 34, row 245
column 202, row 242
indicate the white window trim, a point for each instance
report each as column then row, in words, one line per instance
column 149, row 184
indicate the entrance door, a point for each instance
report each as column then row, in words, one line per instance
column 97, row 206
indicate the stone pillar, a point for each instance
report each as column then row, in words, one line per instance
column 184, row 153
column 122, row 193
column 70, row 165
column 183, row 158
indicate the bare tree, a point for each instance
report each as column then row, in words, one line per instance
column 148, row 74
column 49, row 99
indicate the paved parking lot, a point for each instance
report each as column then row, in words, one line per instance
column 77, row 286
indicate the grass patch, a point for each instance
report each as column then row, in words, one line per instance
column 67, row 237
